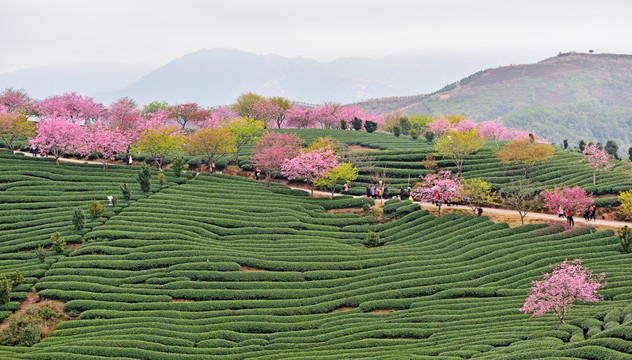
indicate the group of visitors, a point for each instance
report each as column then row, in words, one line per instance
column 35, row 152
column 590, row 213
column 405, row 194
column 379, row 191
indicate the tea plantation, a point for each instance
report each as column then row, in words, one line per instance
column 220, row 267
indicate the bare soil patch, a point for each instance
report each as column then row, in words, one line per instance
column 181, row 300
column 356, row 211
column 444, row 97
column 249, row 269
column 358, row 148
column 382, row 311
column 346, row 308
column 74, row 247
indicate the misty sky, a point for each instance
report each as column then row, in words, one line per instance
column 153, row 32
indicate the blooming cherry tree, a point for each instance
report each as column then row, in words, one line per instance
column 598, row 160
column 72, row 107
column 184, row 114
column 16, row 101
column 567, row 199
column 105, row 141
column 124, row 114
column 442, row 188
column 439, row 126
column 56, row 136
column 272, row 150
column 309, row 166
column 558, row 290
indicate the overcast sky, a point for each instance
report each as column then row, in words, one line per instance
column 43, row 32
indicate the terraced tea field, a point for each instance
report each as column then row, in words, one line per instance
column 220, row 267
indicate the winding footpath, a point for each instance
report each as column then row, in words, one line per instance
column 506, row 212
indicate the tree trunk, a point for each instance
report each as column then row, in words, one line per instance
column 439, row 210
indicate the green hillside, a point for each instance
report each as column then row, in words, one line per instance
column 220, row 267
column 572, row 96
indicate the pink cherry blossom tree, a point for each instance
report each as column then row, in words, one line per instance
column 465, row 125
column 269, row 112
column 492, row 130
column 566, row 199
column 272, row 150
column 72, row 107
column 190, row 113
column 439, row 126
column 299, row 117
column 124, row 114
column 558, row 290
column 438, row 188
column 309, row 166
column 16, row 101
column 598, row 160
column 105, row 141
column 56, row 135
column 328, row 115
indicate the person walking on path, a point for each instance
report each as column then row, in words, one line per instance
column 368, row 190
column 436, row 198
column 385, row 192
column 586, row 214
column 479, row 211
column 569, row 219
column 345, row 189
column 402, row 194
column 593, row 213
column 257, row 173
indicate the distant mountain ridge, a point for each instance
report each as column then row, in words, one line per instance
column 571, row 96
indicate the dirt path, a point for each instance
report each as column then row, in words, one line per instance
column 513, row 214
column 31, row 298
column 61, row 159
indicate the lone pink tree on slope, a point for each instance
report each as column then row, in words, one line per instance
column 272, row 150
column 597, row 159
column 566, row 199
column 439, row 188
column 309, row 166
column 558, row 290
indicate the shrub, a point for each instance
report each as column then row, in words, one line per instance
column 96, row 209
column 397, row 131
column 29, row 336
column 57, row 242
column 5, row 289
column 41, row 253
column 16, row 278
column 373, row 239
column 429, row 136
column 625, row 234
column 79, row 219
column 127, row 191
column 114, row 200
column 162, row 179
column 414, row 133
column 370, row 126
column 356, row 123
column 47, row 313
column 178, row 166
column 144, row 176
column 343, row 124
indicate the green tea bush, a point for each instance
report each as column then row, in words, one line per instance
column 127, row 191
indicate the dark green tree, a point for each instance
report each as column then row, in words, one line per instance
column 370, row 126
column 356, row 123
column 405, row 125
column 144, row 176
column 127, row 191
column 343, row 124
column 429, row 136
column 582, row 145
column 79, row 219
column 612, row 148
column 177, row 166
column 397, row 131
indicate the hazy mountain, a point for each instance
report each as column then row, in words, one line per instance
column 572, row 96
column 218, row 76
column 44, row 81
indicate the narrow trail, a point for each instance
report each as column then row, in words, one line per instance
column 31, row 298
column 61, row 159
column 506, row 212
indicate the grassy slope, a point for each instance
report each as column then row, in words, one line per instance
column 576, row 96
column 457, row 281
